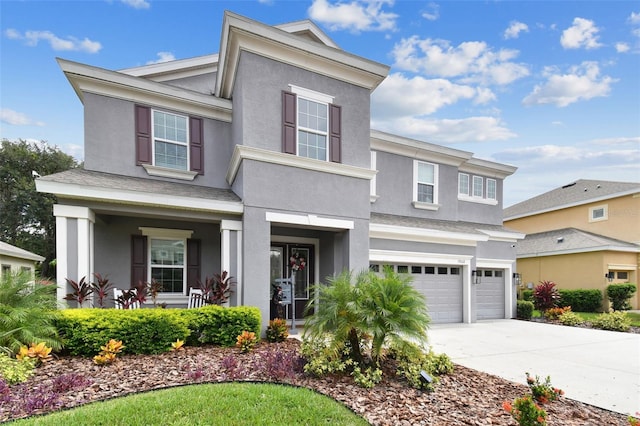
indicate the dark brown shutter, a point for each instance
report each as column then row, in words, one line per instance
column 289, row 113
column 193, row 262
column 138, row 259
column 143, row 134
column 335, row 133
column 196, row 147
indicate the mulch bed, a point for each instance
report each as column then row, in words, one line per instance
column 466, row 397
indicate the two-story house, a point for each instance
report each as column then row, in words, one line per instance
column 260, row 161
column 585, row 234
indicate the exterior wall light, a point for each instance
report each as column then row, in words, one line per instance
column 517, row 279
column 609, row 276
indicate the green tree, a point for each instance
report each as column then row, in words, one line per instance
column 27, row 313
column 383, row 309
column 26, row 216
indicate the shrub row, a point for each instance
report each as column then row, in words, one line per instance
column 524, row 309
column 580, row 300
column 151, row 331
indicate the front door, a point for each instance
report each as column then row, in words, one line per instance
column 292, row 268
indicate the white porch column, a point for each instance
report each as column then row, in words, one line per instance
column 75, row 259
column 226, row 228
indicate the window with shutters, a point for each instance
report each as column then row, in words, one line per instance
column 169, row 144
column 167, row 258
column 311, row 125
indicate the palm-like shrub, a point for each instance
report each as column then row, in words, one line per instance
column 377, row 309
column 27, row 311
column 545, row 295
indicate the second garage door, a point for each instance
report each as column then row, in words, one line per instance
column 490, row 294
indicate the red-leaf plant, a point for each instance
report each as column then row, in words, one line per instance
column 126, row 298
column 81, row 291
column 101, row 288
column 216, row 290
column 545, row 295
column 140, row 292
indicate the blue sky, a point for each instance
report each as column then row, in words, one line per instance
column 550, row 87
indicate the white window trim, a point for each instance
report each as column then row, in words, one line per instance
column 476, row 199
column 419, row 204
column 473, row 187
column 168, row 234
column 372, row 191
column 495, row 183
column 605, row 215
column 168, row 171
column 320, row 98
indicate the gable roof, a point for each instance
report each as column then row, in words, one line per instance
column 569, row 241
column 580, row 192
column 7, row 249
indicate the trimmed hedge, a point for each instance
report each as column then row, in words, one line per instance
column 151, row 331
column 527, row 295
column 142, row 331
column 581, row 300
column 524, row 309
column 619, row 295
column 217, row 325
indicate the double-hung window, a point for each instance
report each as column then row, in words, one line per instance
column 463, row 184
column 312, row 129
column 167, row 258
column 491, row 189
column 425, row 183
column 478, row 186
column 170, row 140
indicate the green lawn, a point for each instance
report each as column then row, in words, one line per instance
column 209, row 404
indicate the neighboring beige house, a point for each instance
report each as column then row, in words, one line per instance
column 14, row 259
column 582, row 235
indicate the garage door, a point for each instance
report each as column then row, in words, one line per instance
column 490, row 294
column 442, row 286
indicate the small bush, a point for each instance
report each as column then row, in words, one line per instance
column 570, row 318
column 526, row 412
column 371, row 377
column 545, row 295
column 411, row 361
column 543, row 392
column 524, row 309
column 277, row 330
column 553, row 314
column 615, row 321
column 218, row 325
column 527, row 295
column 581, row 300
column 320, row 359
column 246, row 341
column 619, row 295
column 14, row 371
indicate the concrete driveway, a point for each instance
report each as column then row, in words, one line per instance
column 601, row 368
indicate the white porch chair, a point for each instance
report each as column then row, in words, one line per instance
column 117, row 293
column 196, row 298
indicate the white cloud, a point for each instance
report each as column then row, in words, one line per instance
column 447, row 131
column 581, row 83
column 32, row 38
column 622, row 47
column 514, row 30
column 634, row 18
column 583, row 33
column 17, row 118
column 355, row 16
column 137, row 4
column 432, row 13
column 163, row 57
column 421, row 96
column 473, row 61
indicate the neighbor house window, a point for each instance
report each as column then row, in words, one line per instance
column 311, row 125
column 6, row 270
column 491, row 189
column 463, row 184
column 170, row 140
column 477, row 186
column 623, row 275
column 425, row 176
column 598, row 213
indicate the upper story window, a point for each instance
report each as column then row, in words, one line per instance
column 425, row 185
column 169, row 144
column 477, row 189
column 311, row 125
column 170, row 138
column 598, row 213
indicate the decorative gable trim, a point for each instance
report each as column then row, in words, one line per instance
column 243, row 34
column 88, row 79
column 242, row 152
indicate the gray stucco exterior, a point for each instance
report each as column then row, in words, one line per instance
column 256, row 204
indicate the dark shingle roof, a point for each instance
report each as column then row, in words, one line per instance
column 90, row 178
column 569, row 240
column 579, row 192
